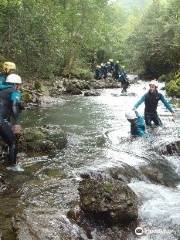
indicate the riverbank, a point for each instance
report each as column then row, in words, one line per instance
column 44, row 93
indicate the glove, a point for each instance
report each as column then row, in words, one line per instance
column 17, row 129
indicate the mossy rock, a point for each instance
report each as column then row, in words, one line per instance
column 42, row 140
column 33, row 134
column 111, row 202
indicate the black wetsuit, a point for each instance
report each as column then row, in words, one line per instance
column 9, row 108
column 151, row 103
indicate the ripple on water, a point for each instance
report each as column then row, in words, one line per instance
column 159, row 213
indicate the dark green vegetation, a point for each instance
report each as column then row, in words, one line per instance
column 47, row 38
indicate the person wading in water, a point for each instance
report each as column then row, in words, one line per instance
column 151, row 99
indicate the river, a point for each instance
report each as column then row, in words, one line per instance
column 99, row 141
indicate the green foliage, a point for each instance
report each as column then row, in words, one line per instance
column 173, row 87
column 80, row 71
column 154, row 43
column 69, row 37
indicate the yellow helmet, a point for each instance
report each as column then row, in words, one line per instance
column 7, row 66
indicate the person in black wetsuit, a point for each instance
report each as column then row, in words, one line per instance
column 123, row 79
column 151, row 99
column 10, row 109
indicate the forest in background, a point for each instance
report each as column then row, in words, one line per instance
column 48, row 38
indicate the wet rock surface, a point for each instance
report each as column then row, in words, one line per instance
column 76, row 86
column 91, row 93
column 42, row 140
column 109, row 202
column 172, row 148
column 44, row 224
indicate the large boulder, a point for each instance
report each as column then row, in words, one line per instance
column 42, row 140
column 109, row 202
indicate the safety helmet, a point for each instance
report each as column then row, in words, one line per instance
column 154, row 82
column 102, row 64
column 111, row 60
column 7, row 66
column 14, row 78
column 108, row 62
column 117, row 61
column 130, row 115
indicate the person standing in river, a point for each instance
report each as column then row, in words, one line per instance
column 9, row 114
column 151, row 99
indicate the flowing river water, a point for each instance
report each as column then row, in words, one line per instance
column 99, row 141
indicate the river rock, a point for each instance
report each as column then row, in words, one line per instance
column 109, row 202
column 125, row 173
column 42, row 140
column 75, row 86
column 44, row 224
column 91, row 93
column 104, row 83
column 173, row 148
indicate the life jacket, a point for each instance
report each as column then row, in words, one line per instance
column 6, row 103
column 138, row 128
column 151, row 102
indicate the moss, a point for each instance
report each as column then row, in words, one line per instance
column 108, row 187
column 26, row 97
column 173, row 87
column 38, row 86
column 33, row 135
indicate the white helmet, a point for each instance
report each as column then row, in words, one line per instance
column 154, row 82
column 13, row 78
column 131, row 115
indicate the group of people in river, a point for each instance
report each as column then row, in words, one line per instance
column 150, row 99
column 10, row 108
column 114, row 70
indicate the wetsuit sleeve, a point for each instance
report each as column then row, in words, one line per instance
column 142, row 99
column 166, row 103
column 15, row 99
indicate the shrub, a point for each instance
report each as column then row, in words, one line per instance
column 173, row 87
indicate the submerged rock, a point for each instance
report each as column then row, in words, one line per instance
column 173, row 148
column 42, row 140
column 109, row 202
column 91, row 93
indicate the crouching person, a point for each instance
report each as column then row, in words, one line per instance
column 9, row 113
column 137, row 124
